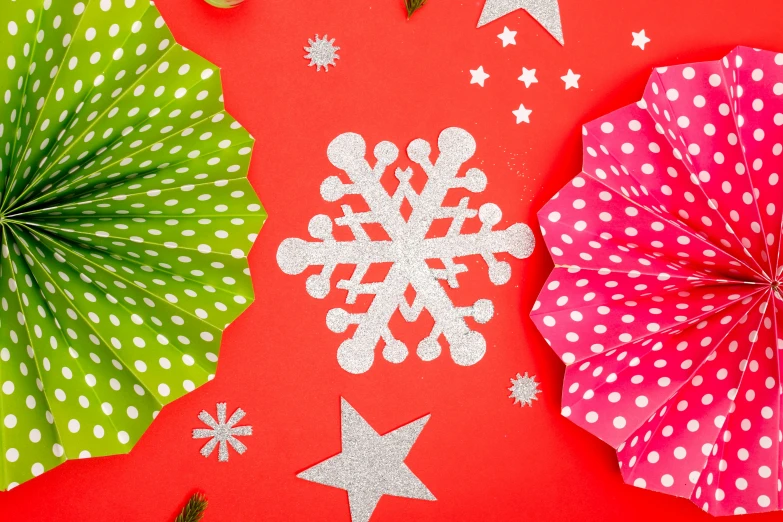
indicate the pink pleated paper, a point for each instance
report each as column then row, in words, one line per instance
column 664, row 301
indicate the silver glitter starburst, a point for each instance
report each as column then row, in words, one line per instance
column 222, row 432
column 524, row 390
column 322, row 53
column 409, row 248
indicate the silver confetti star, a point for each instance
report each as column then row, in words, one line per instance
column 524, row 390
column 370, row 465
column 322, row 53
column 545, row 12
column 222, row 432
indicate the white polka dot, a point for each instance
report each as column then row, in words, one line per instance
column 12, row 455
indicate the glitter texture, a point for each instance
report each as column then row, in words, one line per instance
column 322, row 53
column 370, row 465
column 222, row 432
column 524, row 390
column 545, row 12
column 408, row 249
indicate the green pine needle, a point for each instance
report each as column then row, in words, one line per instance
column 194, row 509
column 413, row 5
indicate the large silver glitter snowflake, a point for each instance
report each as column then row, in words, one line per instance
column 408, row 249
column 222, row 432
column 322, row 53
column 524, row 390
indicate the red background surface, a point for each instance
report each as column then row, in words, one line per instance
column 482, row 457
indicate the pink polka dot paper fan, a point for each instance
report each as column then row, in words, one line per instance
column 664, row 302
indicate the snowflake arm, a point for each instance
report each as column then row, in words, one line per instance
column 516, row 240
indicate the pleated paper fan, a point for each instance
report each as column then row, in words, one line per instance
column 665, row 300
column 126, row 218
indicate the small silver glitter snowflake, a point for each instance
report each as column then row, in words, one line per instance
column 222, row 432
column 524, row 389
column 322, row 53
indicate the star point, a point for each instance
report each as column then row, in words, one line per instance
column 522, row 114
column 639, row 39
column 478, row 76
column 508, row 37
column 370, row 465
column 545, row 12
column 571, row 79
column 528, row 76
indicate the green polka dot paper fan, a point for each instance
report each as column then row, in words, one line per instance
column 126, row 218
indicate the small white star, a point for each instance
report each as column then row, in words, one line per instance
column 640, row 39
column 528, row 76
column 478, row 76
column 571, row 79
column 522, row 114
column 508, row 37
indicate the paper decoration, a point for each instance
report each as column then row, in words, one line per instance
column 639, row 39
column 524, row 390
column 665, row 299
column 371, row 465
column 571, row 79
column 224, row 4
column 222, row 432
column 322, row 53
column 407, row 248
column 125, row 218
column 545, row 12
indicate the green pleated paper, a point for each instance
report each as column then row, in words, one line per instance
column 126, row 218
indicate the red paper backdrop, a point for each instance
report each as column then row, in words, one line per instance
column 482, row 457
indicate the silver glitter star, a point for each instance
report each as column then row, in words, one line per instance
column 524, row 390
column 545, row 12
column 370, row 465
column 322, row 53
column 222, row 432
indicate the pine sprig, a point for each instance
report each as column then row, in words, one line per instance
column 194, row 509
column 413, row 5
